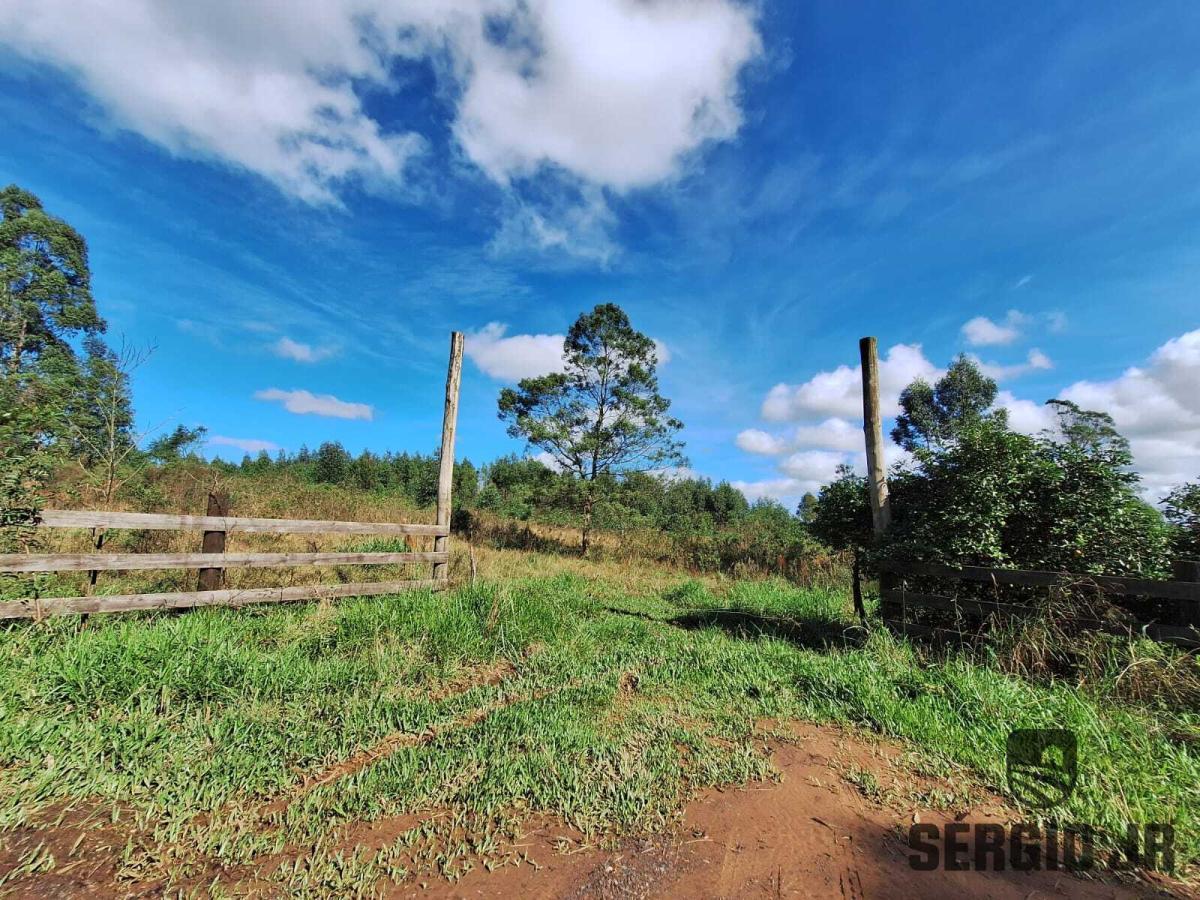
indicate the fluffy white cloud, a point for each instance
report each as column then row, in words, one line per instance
column 511, row 358
column 276, row 88
column 1025, row 416
column 1158, row 408
column 247, row 445
column 301, row 352
column 516, row 357
column 752, row 440
column 1035, row 361
column 570, row 87
column 832, row 434
column 813, row 466
column 839, row 392
column 982, row 331
column 306, row 403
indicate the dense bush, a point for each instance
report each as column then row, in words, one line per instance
column 998, row 498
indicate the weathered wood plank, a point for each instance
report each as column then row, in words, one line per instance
column 1113, row 584
column 955, row 604
column 70, row 518
column 65, row 606
column 1178, row 634
column 446, row 455
column 69, row 562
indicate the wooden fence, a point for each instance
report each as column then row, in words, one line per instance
column 1164, row 610
column 213, row 559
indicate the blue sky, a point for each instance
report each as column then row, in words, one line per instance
column 296, row 207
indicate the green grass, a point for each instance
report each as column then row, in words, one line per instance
column 617, row 709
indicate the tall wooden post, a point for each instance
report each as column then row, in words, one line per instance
column 441, row 571
column 881, row 511
column 213, row 542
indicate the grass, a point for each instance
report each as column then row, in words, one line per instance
column 224, row 736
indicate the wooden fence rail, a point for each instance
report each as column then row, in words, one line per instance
column 217, row 526
column 897, row 599
column 123, row 562
column 67, row 518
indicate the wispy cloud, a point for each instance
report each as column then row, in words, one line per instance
column 303, row 402
column 1035, row 361
column 248, row 445
column 300, row 352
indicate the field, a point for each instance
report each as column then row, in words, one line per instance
column 562, row 718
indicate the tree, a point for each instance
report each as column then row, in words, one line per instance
column 998, row 498
column 1091, row 431
column 603, row 415
column 176, row 445
column 933, row 417
column 45, row 285
column 331, row 464
column 100, row 414
column 806, row 512
column 840, row 515
column 1182, row 509
column 45, row 303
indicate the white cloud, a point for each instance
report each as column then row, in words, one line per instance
column 835, row 434
column 248, row 445
column 1158, row 408
column 306, row 403
column 513, row 357
column 752, row 440
column 839, row 392
column 1025, row 416
column 982, row 331
column 516, row 357
column 787, row 490
column 580, row 100
column 301, row 352
column 832, row 434
column 578, row 227
column 1035, row 361
column 812, row 465
column 613, row 92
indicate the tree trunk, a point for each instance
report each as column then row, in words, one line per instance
column 586, row 536
column 859, row 609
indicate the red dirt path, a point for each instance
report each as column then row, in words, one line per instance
column 811, row 834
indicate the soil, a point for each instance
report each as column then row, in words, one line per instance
column 834, row 825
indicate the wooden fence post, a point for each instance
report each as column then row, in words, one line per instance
column 213, row 542
column 441, row 571
column 1185, row 570
column 881, row 509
